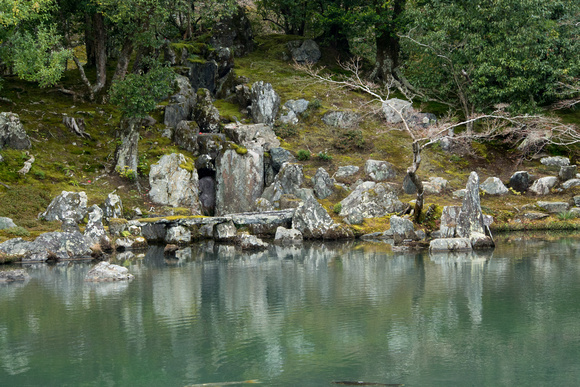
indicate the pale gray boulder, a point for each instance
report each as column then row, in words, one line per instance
column 402, row 229
column 470, row 219
column 95, row 231
column 371, row 200
column 312, row 220
column 450, row 244
column 71, row 205
column 377, row 170
column 178, row 235
column 555, row 161
column 341, row 119
column 180, row 104
column 12, row 133
column 448, row 225
column 323, row 184
column 493, row 186
column 105, row 271
column 304, row 51
column 174, row 184
column 571, row 183
column 250, row 242
column 113, row 207
column 543, row 185
column 6, row 223
column 205, row 113
column 265, row 103
column 567, row 172
column 225, row 232
column 288, row 236
column 554, row 207
column 395, row 110
column 252, row 136
column 346, row 171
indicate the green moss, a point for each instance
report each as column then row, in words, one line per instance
column 228, row 111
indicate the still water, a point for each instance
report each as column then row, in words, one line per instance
column 302, row 317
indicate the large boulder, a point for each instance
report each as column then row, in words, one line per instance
column 71, row 205
column 567, row 172
column 346, row 171
column 12, row 134
column 323, row 184
column 51, row 245
column 246, row 241
column 571, row 183
column 312, row 220
column 279, row 156
column 448, row 225
column 181, row 104
column 265, row 103
column 239, row 179
column 287, row 236
column 185, row 136
column 105, row 271
column 339, row 119
column 470, row 219
column 371, row 200
column 95, row 231
column 304, row 51
column 554, row 207
column 297, row 106
column 543, row 185
column 555, row 161
column 402, row 229
column 395, row 110
column 520, row 181
column 493, row 186
column 6, row 223
column 205, row 114
column 174, row 182
column 203, row 75
column 257, row 135
column 450, row 244
column 435, row 185
column 378, row 170
column 287, row 181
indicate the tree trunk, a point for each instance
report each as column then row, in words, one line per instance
column 126, row 157
column 123, row 61
column 100, row 51
column 412, row 171
column 89, row 41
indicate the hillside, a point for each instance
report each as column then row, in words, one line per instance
column 66, row 161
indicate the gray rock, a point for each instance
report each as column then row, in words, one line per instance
column 450, row 244
column 493, row 186
column 289, row 118
column 178, row 235
column 355, row 218
column 265, row 103
column 69, row 225
column 576, row 200
column 12, row 134
column 207, row 195
column 95, row 231
column 470, row 219
column 534, row 215
column 205, row 114
column 14, row 275
column 287, row 236
column 1, row 159
column 554, row 207
column 15, row 248
column 130, row 243
column 448, row 225
column 185, row 136
column 312, row 220
column 304, row 51
column 105, row 271
column 211, row 144
column 435, row 185
column 394, row 108
column 243, row 96
column 297, row 106
column 287, row 181
column 344, row 120
column 240, row 181
column 346, row 171
column 153, row 232
column 250, row 242
column 263, row 205
column 555, row 161
column 571, row 183
column 59, row 245
column 459, row 194
column 567, row 172
column 371, row 200
column 225, row 232
column 408, row 186
column 253, row 136
column 422, row 120
column 279, row 156
column 543, row 185
column 520, row 181
column 402, row 229
column 575, row 212
column 180, row 104
column 173, row 185
column 379, row 170
column 480, row 241
column 71, row 205
column 6, row 223
column 203, row 75
column 113, row 207
column 323, row 184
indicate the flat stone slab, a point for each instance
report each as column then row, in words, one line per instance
column 450, row 244
column 554, row 207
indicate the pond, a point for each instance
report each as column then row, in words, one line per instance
column 301, row 317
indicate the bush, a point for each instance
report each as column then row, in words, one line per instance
column 285, row 130
column 323, row 156
column 303, row 155
column 337, row 208
column 350, row 140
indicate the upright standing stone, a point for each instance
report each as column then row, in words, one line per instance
column 265, row 103
column 323, row 184
column 240, row 180
column 470, row 219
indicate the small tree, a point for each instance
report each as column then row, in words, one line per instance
column 544, row 130
column 136, row 96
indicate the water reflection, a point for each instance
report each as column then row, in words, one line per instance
column 301, row 316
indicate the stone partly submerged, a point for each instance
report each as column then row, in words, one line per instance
column 105, row 271
column 312, row 220
column 48, row 246
column 18, row 275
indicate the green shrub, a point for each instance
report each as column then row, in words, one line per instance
column 350, row 140
column 286, row 130
column 337, row 208
column 323, row 156
column 315, row 104
column 303, row 155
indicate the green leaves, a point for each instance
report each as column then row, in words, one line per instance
column 138, row 94
column 39, row 58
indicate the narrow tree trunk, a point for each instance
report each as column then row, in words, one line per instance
column 100, row 51
column 412, row 171
column 84, row 78
column 89, row 40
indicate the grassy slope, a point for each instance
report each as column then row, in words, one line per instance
column 65, row 161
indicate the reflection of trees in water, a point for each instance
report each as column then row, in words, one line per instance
column 353, row 310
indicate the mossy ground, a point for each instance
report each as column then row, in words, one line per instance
column 65, row 161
